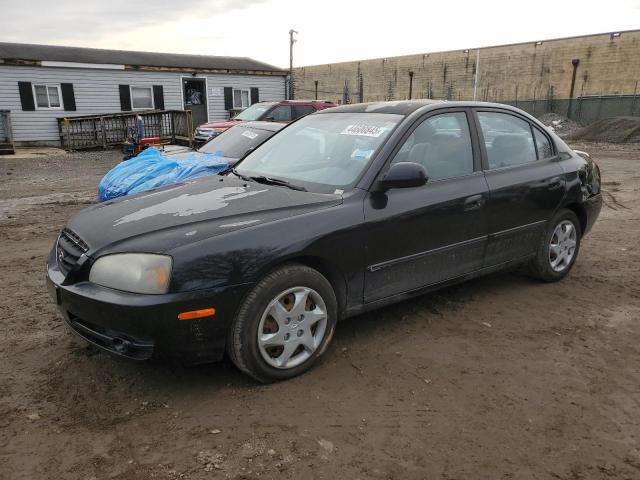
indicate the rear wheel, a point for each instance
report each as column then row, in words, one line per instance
column 558, row 249
column 284, row 324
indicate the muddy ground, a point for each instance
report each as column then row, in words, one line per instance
column 499, row 378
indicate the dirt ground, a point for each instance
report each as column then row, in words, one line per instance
column 499, row 378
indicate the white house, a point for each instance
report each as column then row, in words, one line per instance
column 40, row 83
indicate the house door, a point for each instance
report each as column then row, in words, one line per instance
column 195, row 99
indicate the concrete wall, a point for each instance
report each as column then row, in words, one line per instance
column 96, row 92
column 608, row 65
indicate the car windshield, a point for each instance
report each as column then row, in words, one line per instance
column 254, row 112
column 322, row 152
column 235, row 142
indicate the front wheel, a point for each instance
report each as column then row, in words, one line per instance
column 558, row 249
column 284, row 324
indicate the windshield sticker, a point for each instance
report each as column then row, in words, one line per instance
column 249, row 134
column 361, row 154
column 363, row 130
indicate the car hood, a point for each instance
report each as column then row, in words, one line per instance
column 227, row 124
column 172, row 216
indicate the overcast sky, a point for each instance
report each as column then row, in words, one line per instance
column 330, row 30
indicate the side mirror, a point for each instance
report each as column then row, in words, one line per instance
column 403, row 175
column 269, row 119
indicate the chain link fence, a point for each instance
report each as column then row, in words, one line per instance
column 583, row 109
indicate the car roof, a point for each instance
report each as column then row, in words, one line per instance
column 297, row 102
column 260, row 125
column 406, row 107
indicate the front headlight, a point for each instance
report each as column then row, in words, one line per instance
column 133, row 272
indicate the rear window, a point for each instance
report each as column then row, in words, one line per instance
column 302, row 110
column 235, row 142
column 254, row 112
column 543, row 145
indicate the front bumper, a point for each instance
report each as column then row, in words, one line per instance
column 144, row 326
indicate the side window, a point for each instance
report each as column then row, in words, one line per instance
column 302, row 110
column 47, row 96
column 543, row 145
column 507, row 139
column 281, row 113
column 441, row 144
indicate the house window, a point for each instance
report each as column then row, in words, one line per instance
column 141, row 98
column 240, row 98
column 47, row 96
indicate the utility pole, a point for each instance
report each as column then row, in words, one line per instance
column 477, row 75
column 292, row 40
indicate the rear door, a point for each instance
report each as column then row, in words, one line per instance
column 525, row 182
column 425, row 235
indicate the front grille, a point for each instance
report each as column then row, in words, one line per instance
column 69, row 249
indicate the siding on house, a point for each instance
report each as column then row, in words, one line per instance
column 96, row 92
column 270, row 89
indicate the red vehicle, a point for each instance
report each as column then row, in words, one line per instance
column 284, row 111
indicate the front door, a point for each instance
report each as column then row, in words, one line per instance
column 525, row 182
column 195, row 99
column 426, row 235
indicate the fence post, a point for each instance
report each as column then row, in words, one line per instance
column 104, row 133
column 599, row 108
column 579, row 112
column 60, row 132
column 66, row 131
column 173, row 127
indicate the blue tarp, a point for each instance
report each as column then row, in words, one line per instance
column 151, row 169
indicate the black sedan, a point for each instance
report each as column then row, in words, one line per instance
column 343, row 211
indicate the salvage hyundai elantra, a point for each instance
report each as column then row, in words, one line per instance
column 341, row 212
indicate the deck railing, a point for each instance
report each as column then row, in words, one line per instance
column 102, row 131
column 6, row 137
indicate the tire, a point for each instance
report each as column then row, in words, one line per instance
column 544, row 265
column 283, row 352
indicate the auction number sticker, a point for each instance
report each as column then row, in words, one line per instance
column 249, row 134
column 363, row 130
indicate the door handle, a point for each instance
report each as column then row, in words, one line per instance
column 554, row 183
column 475, row 202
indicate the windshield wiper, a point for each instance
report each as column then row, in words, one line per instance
column 277, row 181
column 235, row 172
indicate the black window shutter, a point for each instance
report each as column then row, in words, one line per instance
column 255, row 95
column 158, row 97
column 228, row 98
column 125, row 98
column 68, row 97
column 26, row 96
